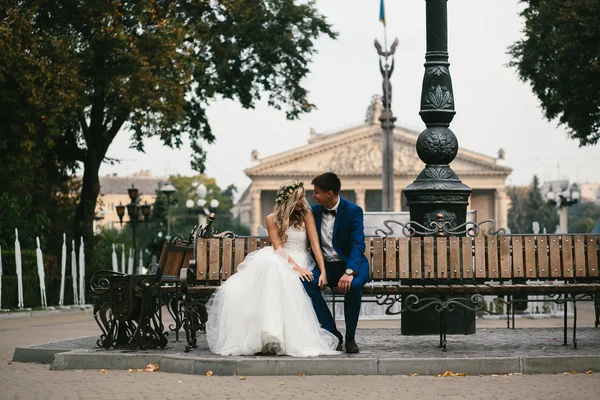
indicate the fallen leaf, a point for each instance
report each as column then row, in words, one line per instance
column 589, row 372
column 414, row 375
column 447, row 373
column 565, row 373
column 461, row 374
column 280, row 383
column 151, row 368
column 301, row 375
column 242, row 378
column 494, row 376
column 179, row 381
column 209, row 373
column 104, row 371
column 573, row 372
column 553, row 338
column 10, row 362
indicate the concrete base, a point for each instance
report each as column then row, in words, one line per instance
column 383, row 352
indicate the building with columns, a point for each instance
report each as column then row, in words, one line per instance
column 355, row 154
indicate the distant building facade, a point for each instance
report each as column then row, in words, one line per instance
column 113, row 191
column 355, row 155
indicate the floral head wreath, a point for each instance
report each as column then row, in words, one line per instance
column 287, row 191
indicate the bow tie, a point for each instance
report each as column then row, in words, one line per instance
column 327, row 211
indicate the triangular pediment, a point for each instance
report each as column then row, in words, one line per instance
column 358, row 152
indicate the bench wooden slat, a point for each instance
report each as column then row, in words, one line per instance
column 492, row 257
column 555, row 267
column 368, row 252
column 517, row 257
column 454, row 258
column 592, row 256
column 505, row 268
column 227, row 260
column 442, row 257
column 390, row 258
column 377, row 269
column 480, row 270
column 170, row 260
column 580, row 269
column 530, row 269
column 428, row 258
column 213, row 260
column 201, row 259
column 252, row 244
column 542, row 256
column 403, row 259
column 567, row 256
column 467, row 257
column 415, row 258
column 239, row 252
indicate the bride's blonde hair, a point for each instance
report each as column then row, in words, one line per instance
column 290, row 194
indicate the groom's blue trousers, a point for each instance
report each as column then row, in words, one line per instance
column 352, row 299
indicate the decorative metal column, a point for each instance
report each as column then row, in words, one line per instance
column 437, row 192
column 387, row 125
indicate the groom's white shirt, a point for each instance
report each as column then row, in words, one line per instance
column 327, row 222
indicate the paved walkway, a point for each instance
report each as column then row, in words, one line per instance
column 33, row 381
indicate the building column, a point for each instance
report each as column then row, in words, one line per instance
column 256, row 217
column 397, row 200
column 500, row 209
column 360, row 198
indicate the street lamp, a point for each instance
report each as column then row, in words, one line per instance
column 133, row 210
column 562, row 201
column 202, row 191
column 168, row 190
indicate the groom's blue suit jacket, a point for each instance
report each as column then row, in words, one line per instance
column 348, row 235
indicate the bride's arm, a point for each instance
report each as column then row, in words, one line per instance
column 277, row 244
column 313, row 237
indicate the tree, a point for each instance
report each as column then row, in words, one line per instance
column 528, row 206
column 153, row 66
column 583, row 217
column 559, row 58
column 36, row 92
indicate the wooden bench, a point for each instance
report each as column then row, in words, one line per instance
column 431, row 271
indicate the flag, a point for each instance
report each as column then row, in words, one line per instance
column 382, row 13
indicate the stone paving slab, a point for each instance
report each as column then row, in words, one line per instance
column 383, row 352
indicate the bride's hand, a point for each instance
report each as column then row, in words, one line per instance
column 305, row 274
column 322, row 281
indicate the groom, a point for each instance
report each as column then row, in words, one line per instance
column 341, row 234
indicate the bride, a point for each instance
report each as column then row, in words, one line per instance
column 263, row 308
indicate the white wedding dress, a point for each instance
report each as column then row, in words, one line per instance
column 263, row 308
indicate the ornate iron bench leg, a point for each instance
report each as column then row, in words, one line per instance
column 597, row 310
column 574, row 322
column 565, row 319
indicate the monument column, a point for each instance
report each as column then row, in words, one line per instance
column 360, row 198
column 256, row 217
column 501, row 210
column 397, row 200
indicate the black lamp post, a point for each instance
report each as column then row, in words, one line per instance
column 437, row 195
column 133, row 210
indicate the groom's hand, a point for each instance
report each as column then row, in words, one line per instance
column 322, row 281
column 344, row 283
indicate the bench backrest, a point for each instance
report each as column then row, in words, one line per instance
column 482, row 258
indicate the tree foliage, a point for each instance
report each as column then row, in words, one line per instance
column 151, row 67
column 558, row 56
column 528, row 206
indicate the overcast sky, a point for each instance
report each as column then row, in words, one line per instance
column 494, row 109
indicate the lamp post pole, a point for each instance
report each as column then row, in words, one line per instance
column 133, row 210
column 437, row 194
column 168, row 190
column 563, row 201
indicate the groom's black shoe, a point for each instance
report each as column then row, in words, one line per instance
column 340, row 340
column 351, row 346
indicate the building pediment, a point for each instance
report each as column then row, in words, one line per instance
column 358, row 152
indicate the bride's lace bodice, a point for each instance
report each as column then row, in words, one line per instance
column 297, row 248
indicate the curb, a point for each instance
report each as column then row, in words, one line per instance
column 64, row 359
column 45, row 313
